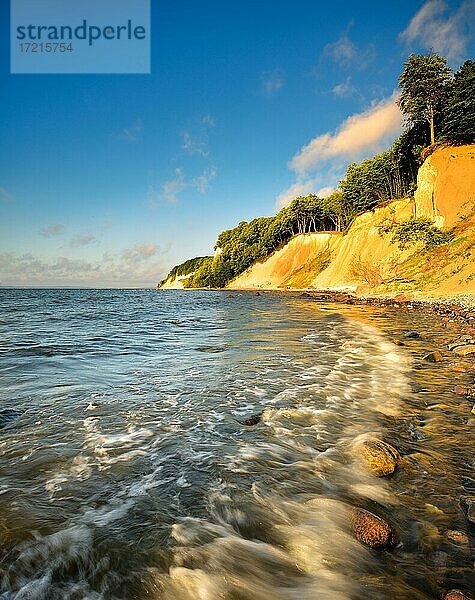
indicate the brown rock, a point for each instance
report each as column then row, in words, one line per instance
column 378, row 457
column 371, row 529
column 435, row 356
column 461, row 390
column 465, row 350
column 459, row 537
column 454, row 595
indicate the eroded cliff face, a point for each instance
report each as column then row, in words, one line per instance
column 365, row 261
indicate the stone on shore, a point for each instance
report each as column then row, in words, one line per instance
column 434, row 356
column 459, row 537
column 378, row 457
column 412, row 335
column 454, row 595
column 371, row 530
column 465, row 350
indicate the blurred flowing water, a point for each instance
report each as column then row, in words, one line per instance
column 126, row 471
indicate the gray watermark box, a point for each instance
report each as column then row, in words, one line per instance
column 80, row 36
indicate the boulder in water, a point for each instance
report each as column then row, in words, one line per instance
column 378, row 457
column 468, row 505
column 371, row 530
column 412, row 335
column 254, row 420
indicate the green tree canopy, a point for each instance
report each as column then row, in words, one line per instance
column 423, row 82
column 458, row 123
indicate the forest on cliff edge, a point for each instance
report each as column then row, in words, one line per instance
column 439, row 107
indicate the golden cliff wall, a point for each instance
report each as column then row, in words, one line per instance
column 363, row 260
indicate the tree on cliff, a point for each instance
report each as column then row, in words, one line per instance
column 423, row 82
column 458, row 123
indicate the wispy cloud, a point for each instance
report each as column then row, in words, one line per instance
column 345, row 89
column 272, row 81
column 436, row 27
column 171, row 190
column 345, row 53
column 320, row 163
column 82, row 240
column 52, row 230
column 201, row 182
column 193, row 145
column 134, row 132
column 358, row 134
column 5, row 196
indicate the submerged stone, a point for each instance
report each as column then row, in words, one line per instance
column 371, row 530
column 468, row 505
column 378, row 457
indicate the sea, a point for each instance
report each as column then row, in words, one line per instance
column 127, row 469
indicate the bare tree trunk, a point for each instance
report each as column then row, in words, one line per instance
column 431, row 122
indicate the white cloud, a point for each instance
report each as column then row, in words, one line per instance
column 52, row 230
column 299, row 188
column 325, row 191
column 272, row 82
column 319, row 165
column 136, row 266
column 434, row 27
column 345, row 53
column 359, row 134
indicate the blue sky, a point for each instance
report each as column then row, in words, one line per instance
column 110, row 180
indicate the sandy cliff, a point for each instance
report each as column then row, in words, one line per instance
column 365, row 261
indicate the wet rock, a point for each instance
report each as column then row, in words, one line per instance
column 465, row 350
column 412, row 335
column 371, row 530
column 415, row 433
column 8, row 415
column 378, row 457
column 434, row 356
column 454, row 595
column 459, row 537
column 254, row 420
column 468, row 505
